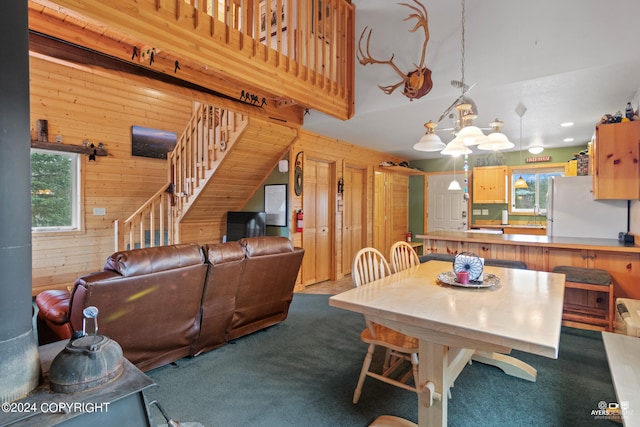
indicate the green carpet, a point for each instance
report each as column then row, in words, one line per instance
column 302, row 372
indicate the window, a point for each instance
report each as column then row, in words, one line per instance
column 55, row 194
column 523, row 200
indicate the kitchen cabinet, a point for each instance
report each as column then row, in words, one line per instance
column 616, row 152
column 490, row 184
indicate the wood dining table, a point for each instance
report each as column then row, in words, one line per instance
column 514, row 309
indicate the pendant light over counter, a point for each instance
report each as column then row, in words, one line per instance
column 454, row 185
column 520, row 183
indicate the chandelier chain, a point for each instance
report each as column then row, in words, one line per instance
column 462, row 53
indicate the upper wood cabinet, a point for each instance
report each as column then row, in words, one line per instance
column 490, row 184
column 616, row 172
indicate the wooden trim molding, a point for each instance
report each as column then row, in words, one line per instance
column 89, row 149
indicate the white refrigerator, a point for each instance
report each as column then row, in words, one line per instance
column 572, row 212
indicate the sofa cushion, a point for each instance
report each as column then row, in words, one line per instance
column 152, row 260
column 266, row 245
column 592, row 276
column 223, row 252
column 266, row 284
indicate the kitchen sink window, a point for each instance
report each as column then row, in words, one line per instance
column 524, row 200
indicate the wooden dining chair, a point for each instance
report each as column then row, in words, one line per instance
column 402, row 256
column 368, row 265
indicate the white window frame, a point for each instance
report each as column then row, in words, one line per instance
column 516, row 172
column 76, row 197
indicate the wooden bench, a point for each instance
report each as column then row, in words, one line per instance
column 583, row 298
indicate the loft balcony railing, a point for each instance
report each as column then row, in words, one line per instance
column 289, row 51
column 315, row 36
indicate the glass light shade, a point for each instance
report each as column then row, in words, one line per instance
column 429, row 142
column 521, row 184
column 536, row 149
column 455, row 148
column 471, row 135
column 496, row 141
column 454, row 186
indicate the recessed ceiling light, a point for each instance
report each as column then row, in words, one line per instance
column 566, row 124
column 568, row 140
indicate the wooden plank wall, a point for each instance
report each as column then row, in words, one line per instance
column 342, row 153
column 82, row 103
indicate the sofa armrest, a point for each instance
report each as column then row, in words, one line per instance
column 53, row 305
column 53, row 316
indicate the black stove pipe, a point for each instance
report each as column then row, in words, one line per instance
column 19, row 356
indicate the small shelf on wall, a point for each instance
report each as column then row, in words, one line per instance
column 68, row 148
column 402, row 170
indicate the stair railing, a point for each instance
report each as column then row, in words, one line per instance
column 209, row 135
column 150, row 225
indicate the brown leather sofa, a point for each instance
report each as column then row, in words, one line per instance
column 164, row 303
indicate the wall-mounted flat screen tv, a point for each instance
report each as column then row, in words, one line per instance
column 245, row 224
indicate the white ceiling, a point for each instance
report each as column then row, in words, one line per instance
column 564, row 60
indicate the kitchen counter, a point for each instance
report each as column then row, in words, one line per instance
column 538, row 229
column 612, row 245
column 543, row 253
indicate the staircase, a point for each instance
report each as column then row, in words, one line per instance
column 220, row 160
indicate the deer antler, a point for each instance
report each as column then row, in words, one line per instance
column 366, row 59
column 417, row 83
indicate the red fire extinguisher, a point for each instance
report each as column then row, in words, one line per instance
column 299, row 221
column 409, row 237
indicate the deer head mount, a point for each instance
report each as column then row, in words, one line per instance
column 417, row 83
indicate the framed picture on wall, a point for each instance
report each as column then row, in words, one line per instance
column 275, row 204
column 154, row 143
column 269, row 19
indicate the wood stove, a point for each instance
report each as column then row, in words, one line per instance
column 119, row 402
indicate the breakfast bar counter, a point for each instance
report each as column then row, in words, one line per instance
column 544, row 253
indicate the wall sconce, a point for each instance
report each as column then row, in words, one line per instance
column 340, row 186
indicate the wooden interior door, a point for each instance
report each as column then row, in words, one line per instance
column 354, row 198
column 381, row 217
column 316, row 235
column 447, row 209
column 390, row 210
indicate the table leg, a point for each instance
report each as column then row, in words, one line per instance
column 433, row 379
column 510, row 365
